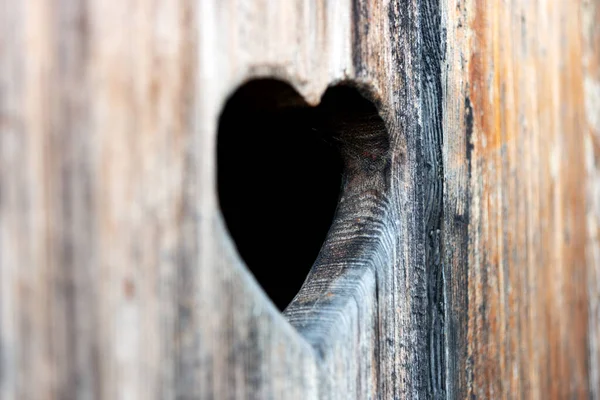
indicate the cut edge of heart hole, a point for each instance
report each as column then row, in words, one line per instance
column 282, row 166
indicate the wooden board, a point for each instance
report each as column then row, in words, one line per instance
column 519, row 108
column 474, row 271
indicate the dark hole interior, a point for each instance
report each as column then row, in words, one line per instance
column 279, row 180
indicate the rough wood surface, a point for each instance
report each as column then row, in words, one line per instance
column 464, row 261
column 520, row 209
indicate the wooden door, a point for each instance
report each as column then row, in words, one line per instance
column 166, row 166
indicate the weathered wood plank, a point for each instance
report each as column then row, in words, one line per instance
column 119, row 279
column 514, row 144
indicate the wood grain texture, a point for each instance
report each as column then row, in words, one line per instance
column 515, row 196
column 464, row 260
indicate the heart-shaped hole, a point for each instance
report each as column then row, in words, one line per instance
column 280, row 172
